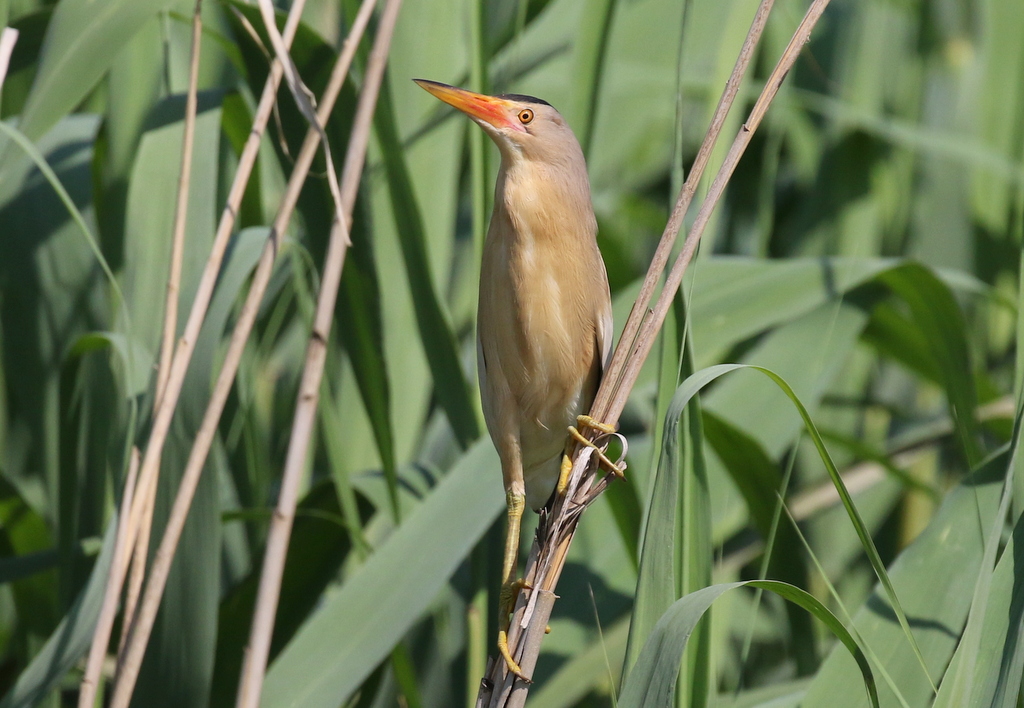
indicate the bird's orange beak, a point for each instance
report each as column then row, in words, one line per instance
column 490, row 109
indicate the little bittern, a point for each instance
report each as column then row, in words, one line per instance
column 545, row 316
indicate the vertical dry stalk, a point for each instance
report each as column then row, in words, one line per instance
column 122, row 551
column 275, row 554
column 8, row 38
column 180, row 210
column 139, row 632
column 649, row 328
column 500, row 689
column 675, row 221
column 138, row 558
column 141, row 546
column 176, row 376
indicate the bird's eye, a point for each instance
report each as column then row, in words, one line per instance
column 525, row 116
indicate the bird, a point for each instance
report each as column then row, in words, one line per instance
column 544, row 315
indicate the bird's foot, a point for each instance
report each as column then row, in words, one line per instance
column 585, row 421
column 508, row 595
column 507, row 601
column 511, row 663
column 563, row 474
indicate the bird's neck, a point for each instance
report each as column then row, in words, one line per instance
column 545, row 201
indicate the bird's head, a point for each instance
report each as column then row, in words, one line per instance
column 523, row 127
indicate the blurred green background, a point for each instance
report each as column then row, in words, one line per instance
column 867, row 251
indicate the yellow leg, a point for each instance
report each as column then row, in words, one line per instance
column 510, row 586
column 588, row 422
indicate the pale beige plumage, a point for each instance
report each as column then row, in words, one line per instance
column 544, row 319
column 544, row 316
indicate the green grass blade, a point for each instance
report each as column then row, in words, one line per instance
column 405, row 675
column 675, row 555
column 26, row 145
column 321, row 667
column 960, row 688
column 451, row 386
column 361, row 329
column 999, row 662
column 590, row 53
column 69, row 642
column 82, row 42
column 329, row 422
column 1018, row 368
column 736, row 298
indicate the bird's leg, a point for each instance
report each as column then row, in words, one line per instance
column 510, row 586
column 585, row 421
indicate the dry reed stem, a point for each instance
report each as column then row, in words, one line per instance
column 303, row 96
column 649, row 328
column 140, row 630
column 87, row 689
column 8, row 38
column 180, row 210
column 139, row 557
column 170, row 329
column 258, row 649
column 163, row 413
column 639, row 312
column 500, row 689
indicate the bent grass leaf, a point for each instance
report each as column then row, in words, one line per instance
column 935, row 576
column 651, row 683
column 697, row 381
column 37, row 157
column 937, row 314
column 760, row 481
column 136, row 359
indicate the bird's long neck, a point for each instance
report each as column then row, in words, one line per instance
column 545, row 201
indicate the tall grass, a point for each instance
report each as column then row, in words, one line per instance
column 867, row 255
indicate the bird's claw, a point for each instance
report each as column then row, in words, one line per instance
column 511, row 663
column 585, row 421
column 507, row 600
column 563, row 474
